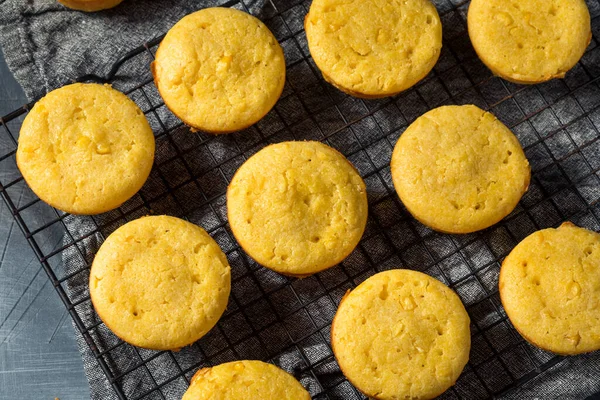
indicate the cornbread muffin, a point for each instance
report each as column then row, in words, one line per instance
column 529, row 41
column 249, row 380
column 219, row 70
column 550, row 289
column 160, row 282
column 297, row 207
column 457, row 169
column 373, row 48
column 90, row 5
column 85, row 148
column 401, row 334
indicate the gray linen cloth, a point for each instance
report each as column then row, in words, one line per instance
column 46, row 46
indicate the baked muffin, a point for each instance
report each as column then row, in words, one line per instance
column 297, row 207
column 90, row 5
column 529, row 41
column 249, row 380
column 401, row 334
column 85, row 148
column 457, row 169
column 220, row 70
column 160, row 282
column 373, row 48
column 550, row 289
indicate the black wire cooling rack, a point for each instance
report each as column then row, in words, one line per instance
column 287, row 321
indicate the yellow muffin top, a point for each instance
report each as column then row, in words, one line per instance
column 90, row 5
column 85, row 148
column 550, row 289
column 297, row 207
column 374, row 48
column 248, row 380
column 529, row 41
column 458, row 169
column 219, row 70
column 160, row 282
column 401, row 334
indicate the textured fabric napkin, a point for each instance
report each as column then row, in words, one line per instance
column 46, row 45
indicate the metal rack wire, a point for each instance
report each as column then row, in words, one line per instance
column 285, row 320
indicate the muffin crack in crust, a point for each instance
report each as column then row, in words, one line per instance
column 297, row 207
column 373, row 48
